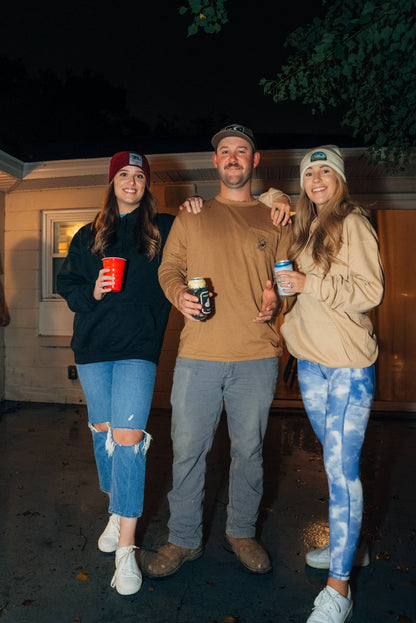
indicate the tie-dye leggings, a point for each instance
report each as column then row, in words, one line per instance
column 338, row 403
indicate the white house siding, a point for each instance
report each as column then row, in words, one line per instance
column 36, row 366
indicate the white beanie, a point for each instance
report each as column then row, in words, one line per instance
column 329, row 154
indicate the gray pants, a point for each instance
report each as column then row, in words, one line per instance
column 200, row 388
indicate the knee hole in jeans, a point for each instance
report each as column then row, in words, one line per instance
column 127, row 436
column 100, row 427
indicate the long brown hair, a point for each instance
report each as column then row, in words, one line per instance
column 105, row 225
column 326, row 239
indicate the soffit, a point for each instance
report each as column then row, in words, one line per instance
column 11, row 170
column 185, row 168
column 7, row 182
column 274, row 165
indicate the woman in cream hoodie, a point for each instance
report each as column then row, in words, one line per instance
column 338, row 278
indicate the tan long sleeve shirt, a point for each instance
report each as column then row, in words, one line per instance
column 234, row 245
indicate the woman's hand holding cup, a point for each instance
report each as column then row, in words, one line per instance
column 103, row 284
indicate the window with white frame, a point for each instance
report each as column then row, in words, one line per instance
column 58, row 229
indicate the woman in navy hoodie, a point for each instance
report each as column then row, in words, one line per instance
column 117, row 341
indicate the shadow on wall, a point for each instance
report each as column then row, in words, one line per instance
column 4, row 310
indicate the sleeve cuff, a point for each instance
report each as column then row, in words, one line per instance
column 271, row 195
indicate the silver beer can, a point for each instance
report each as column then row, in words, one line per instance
column 282, row 265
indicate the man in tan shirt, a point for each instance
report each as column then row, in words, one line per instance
column 230, row 358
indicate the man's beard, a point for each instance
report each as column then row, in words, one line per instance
column 235, row 181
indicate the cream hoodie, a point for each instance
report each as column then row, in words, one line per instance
column 329, row 323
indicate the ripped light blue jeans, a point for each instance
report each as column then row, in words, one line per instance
column 338, row 403
column 119, row 393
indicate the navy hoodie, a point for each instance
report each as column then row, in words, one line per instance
column 124, row 325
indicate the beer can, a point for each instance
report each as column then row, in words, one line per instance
column 198, row 287
column 282, row 265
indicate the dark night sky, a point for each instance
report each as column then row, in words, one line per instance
column 193, row 85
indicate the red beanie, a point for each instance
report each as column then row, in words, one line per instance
column 126, row 158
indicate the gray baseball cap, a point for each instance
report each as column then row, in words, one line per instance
column 234, row 129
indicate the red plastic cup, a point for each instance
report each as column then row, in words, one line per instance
column 116, row 266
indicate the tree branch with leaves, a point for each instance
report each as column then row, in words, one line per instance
column 360, row 58
column 207, row 15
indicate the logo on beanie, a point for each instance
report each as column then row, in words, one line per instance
column 318, row 155
column 135, row 160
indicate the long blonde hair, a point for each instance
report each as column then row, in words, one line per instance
column 147, row 234
column 326, row 239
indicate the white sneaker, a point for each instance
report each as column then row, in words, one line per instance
column 331, row 607
column 319, row 558
column 127, row 578
column 108, row 541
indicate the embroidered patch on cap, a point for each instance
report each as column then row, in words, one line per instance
column 135, row 160
column 240, row 128
column 318, row 155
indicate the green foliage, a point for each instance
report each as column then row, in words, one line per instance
column 208, row 15
column 361, row 57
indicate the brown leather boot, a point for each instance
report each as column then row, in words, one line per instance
column 167, row 561
column 250, row 553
